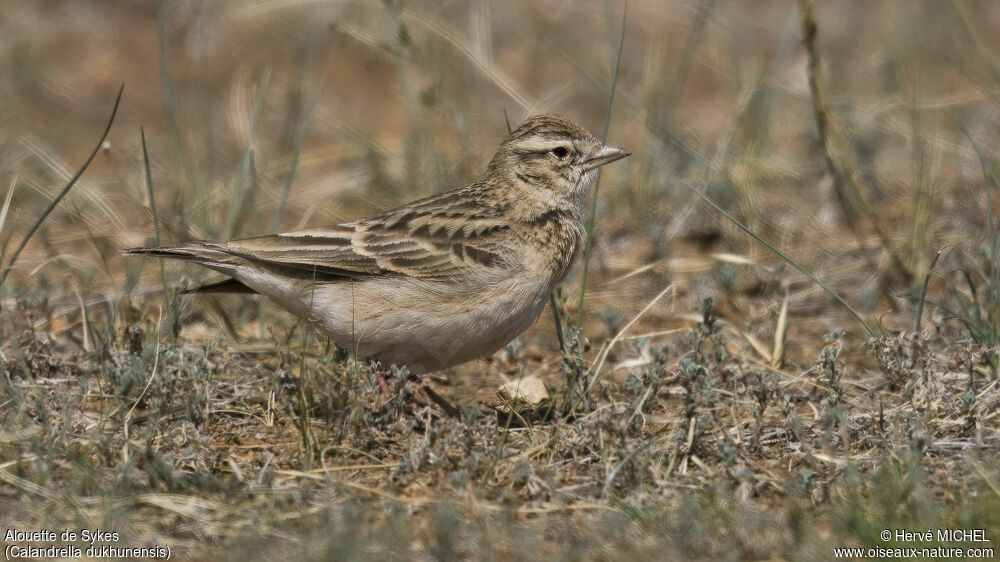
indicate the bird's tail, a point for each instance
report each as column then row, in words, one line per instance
column 204, row 253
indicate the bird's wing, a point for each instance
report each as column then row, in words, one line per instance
column 410, row 242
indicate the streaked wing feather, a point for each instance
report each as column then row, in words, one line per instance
column 416, row 241
column 327, row 251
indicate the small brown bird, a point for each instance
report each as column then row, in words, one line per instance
column 442, row 280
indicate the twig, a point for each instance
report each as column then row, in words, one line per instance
column 827, row 131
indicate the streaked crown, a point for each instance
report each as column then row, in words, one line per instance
column 550, row 127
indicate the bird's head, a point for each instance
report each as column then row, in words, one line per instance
column 551, row 159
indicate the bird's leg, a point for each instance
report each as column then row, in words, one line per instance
column 436, row 398
column 383, row 383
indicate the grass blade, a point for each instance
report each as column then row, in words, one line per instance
column 781, row 255
column 149, row 186
column 993, row 278
column 597, row 182
column 6, row 207
column 300, row 141
column 156, row 228
column 237, row 200
column 72, row 182
column 923, row 293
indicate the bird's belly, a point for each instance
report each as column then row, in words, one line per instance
column 427, row 330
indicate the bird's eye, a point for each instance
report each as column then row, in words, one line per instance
column 560, row 151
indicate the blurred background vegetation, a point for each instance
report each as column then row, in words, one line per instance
column 866, row 152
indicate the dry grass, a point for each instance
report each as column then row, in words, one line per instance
column 715, row 403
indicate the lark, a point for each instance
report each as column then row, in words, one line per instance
column 439, row 281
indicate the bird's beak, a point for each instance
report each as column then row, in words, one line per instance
column 605, row 155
